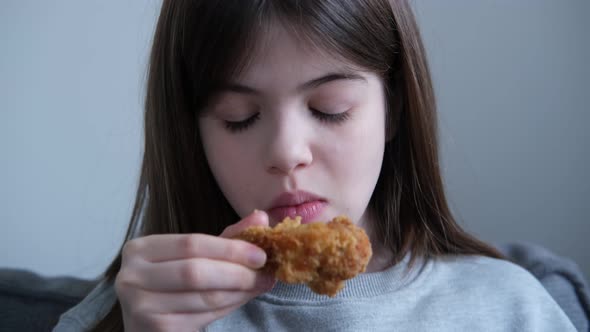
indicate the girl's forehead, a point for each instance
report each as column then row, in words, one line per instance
column 277, row 51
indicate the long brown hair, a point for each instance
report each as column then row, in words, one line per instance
column 200, row 44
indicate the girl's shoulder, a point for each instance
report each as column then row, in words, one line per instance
column 500, row 284
column 485, row 274
column 490, row 293
column 478, row 267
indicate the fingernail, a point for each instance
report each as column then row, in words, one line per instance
column 261, row 216
column 257, row 258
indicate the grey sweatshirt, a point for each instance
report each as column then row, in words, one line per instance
column 458, row 293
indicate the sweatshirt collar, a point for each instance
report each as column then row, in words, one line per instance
column 363, row 285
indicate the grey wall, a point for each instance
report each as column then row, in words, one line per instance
column 513, row 86
column 71, row 87
column 511, row 78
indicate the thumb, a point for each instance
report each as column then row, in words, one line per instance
column 256, row 218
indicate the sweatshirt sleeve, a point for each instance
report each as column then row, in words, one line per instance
column 89, row 311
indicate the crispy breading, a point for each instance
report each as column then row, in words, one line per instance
column 322, row 255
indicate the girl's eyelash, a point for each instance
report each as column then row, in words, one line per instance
column 237, row 126
column 330, row 118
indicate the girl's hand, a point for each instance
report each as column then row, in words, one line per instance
column 183, row 282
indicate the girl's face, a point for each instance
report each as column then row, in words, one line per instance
column 298, row 133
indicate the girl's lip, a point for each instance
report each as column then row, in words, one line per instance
column 294, row 198
column 308, row 211
column 297, row 203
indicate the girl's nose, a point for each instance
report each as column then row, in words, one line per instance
column 288, row 148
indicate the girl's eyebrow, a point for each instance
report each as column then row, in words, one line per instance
column 314, row 83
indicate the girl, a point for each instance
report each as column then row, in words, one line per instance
column 298, row 107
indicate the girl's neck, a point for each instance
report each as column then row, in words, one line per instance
column 382, row 256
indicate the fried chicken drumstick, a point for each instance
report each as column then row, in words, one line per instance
column 322, row 255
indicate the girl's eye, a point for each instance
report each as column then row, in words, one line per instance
column 237, row 126
column 335, row 118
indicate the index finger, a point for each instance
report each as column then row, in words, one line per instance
column 256, row 218
column 168, row 247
